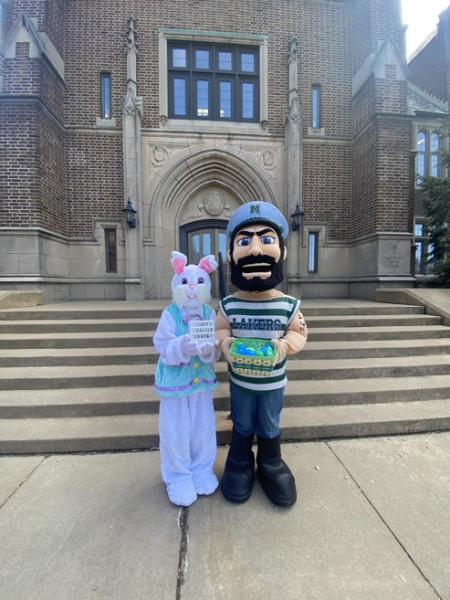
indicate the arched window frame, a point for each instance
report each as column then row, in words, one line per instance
column 428, row 147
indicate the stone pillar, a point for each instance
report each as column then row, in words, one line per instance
column 132, row 119
column 293, row 133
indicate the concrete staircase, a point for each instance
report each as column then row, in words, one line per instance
column 78, row 376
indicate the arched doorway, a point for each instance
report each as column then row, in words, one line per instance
column 205, row 237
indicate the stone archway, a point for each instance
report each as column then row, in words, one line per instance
column 197, row 186
column 196, row 172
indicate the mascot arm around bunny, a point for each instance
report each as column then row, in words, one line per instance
column 257, row 327
column 185, row 381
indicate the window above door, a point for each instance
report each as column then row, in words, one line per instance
column 213, row 81
column 209, row 78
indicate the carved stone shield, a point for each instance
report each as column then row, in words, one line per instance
column 214, row 204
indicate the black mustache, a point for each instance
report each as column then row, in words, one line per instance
column 248, row 261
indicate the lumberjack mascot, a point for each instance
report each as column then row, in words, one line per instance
column 258, row 326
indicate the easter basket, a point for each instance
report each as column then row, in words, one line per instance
column 253, row 357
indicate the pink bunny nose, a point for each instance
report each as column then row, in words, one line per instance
column 192, row 286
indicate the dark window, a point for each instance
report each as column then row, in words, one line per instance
column 213, row 82
column 111, row 250
column 225, row 60
column 105, row 80
column 225, row 98
column 179, row 58
column 313, row 251
column 178, row 96
column 315, row 107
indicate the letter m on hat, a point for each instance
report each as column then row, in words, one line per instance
column 254, row 208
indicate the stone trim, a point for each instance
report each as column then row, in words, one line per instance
column 353, row 279
column 201, row 34
column 223, row 134
column 64, row 279
column 105, row 123
column 316, row 131
column 375, row 63
column 380, row 234
column 25, row 30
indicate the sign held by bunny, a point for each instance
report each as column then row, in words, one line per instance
column 185, row 380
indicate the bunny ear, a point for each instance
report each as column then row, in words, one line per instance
column 178, row 261
column 208, row 263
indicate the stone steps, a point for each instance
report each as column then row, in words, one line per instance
column 33, row 378
column 138, row 432
column 114, row 339
column 149, row 325
column 85, row 310
column 29, row 357
column 79, row 377
column 142, row 399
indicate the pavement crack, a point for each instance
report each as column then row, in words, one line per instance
column 383, row 520
column 183, row 523
column 22, row 482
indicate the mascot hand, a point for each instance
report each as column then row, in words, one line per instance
column 225, row 347
column 188, row 346
column 280, row 349
column 206, row 349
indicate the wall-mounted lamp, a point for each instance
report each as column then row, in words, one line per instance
column 130, row 214
column 296, row 218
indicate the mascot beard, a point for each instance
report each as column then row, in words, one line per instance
column 257, row 284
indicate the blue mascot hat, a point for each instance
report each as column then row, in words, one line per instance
column 257, row 211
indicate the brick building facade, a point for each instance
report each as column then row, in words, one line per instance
column 299, row 102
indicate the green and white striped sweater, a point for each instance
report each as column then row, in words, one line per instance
column 264, row 319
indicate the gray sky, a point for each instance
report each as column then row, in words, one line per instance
column 421, row 16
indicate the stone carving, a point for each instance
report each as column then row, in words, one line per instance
column 131, row 45
column 133, row 104
column 269, row 162
column 269, row 159
column 213, row 204
column 159, row 155
column 293, row 106
column 293, row 111
column 293, row 50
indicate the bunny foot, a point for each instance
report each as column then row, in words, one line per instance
column 205, row 483
column 182, row 493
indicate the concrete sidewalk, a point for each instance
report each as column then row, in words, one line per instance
column 372, row 523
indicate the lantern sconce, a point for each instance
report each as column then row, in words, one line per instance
column 130, row 214
column 296, row 218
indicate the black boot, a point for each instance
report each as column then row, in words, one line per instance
column 273, row 473
column 239, row 475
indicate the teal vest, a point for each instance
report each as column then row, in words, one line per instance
column 196, row 376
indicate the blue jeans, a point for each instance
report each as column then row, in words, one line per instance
column 256, row 412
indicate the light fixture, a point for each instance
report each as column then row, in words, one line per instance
column 297, row 217
column 130, row 214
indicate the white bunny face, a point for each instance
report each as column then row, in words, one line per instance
column 191, row 284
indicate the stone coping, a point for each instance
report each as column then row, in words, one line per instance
column 20, row 299
column 436, row 301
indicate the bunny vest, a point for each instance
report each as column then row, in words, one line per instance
column 195, row 376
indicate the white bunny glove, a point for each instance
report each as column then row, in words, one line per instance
column 188, row 346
